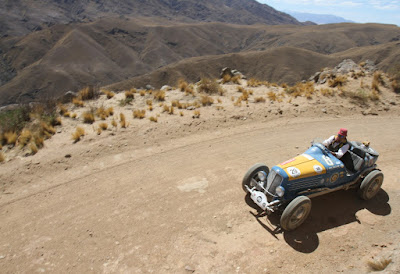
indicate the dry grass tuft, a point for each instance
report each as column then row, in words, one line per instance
column 25, row 137
column 79, row 132
column 109, row 94
column 73, row 116
column 88, row 117
column 252, row 82
column 196, row 114
column 10, row 138
column 182, row 85
column 34, row 149
column 234, row 79
column 159, row 95
column 114, row 123
column 379, row 265
column 77, row 102
column 206, row 100
column 327, row 92
column 129, row 94
column 87, row 93
column 122, row 120
column 302, row 89
column 139, row 113
column 210, row 86
column 103, row 126
column 395, row 86
column 153, row 119
column 67, row 114
column 338, row 81
column 47, row 130
column 62, row 109
column 259, row 100
column 377, row 81
column 2, row 158
column 142, row 93
column 181, row 113
column 190, row 91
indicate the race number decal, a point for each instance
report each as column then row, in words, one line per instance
column 318, row 168
column 293, row 172
column 327, row 160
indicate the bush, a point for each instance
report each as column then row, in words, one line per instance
column 14, row 120
column 87, row 93
column 139, row 114
column 88, row 117
column 259, row 100
column 337, row 81
column 207, row 100
column 210, row 86
column 159, row 95
column 79, row 132
column 122, row 120
column 153, row 119
column 129, row 94
column 182, row 85
column 25, row 137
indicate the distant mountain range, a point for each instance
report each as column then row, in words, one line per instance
column 318, row 18
column 19, row 17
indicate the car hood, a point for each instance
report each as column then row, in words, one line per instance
column 302, row 166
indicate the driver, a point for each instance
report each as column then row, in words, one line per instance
column 339, row 146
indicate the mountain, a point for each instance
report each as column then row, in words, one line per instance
column 50, row 62
column 318, row 18
column 19, row 17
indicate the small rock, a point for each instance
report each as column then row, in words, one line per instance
column 166, row 87
column 150, row 87
column 191, row 108
column 280, row 111
column 68, row 156
column 393, row 103
column 190, row 268
column 2, row 257
column 324, row 110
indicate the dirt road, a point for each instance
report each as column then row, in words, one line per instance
column 177, row 206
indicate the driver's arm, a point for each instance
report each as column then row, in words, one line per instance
column 342, row 151
column 329, row 141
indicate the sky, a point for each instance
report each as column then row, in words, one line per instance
column 360, row 11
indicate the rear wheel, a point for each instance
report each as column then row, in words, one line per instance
column 296, row 213
column 371, row 185
column 250, row 179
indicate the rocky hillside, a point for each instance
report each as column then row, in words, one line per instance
column 50, row 62
column 20, row 17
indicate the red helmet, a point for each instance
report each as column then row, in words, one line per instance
column 343, row 132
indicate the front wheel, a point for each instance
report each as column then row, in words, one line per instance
column 296, row 213
column 371, row 185
column 251, row 177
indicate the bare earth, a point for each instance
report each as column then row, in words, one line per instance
column 166, row 197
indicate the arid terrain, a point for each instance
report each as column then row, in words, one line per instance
column 166, row 196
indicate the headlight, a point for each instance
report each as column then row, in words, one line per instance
column 262, row 175
column 280, row 191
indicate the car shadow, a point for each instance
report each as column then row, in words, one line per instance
column 327, row 212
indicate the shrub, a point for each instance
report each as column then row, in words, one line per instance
column 171, row 110
column 79, row 132
column 10, row 137
column 122, row 120
column 142, row 93
column 181, row 113
column 149, row 102
column 139, row 114
column 88, row 117
column 87, row 93
column 272, row 96
column 101, row 113
column 34, row 149
column 259, row 100
column 301, row 89
column 114, row 123
column 77, row 102
column 73, row 116
column 25, row 137
column 337, row 81
column 210, row 87
column 159, row 95
column 252, row 82
column 14, row 120
column 110, row 111
column 284, row 85
column 47, row 130
column 189, row 90
column 153, row 119
column 62, row 109
column 206, row 100
column 67, row 114
column 109, row 94
column 196, row 114
column 39, row 140
column 182, row 85
column 327, row 92
column 103, row 126
column 126, row 101
column 165, row 108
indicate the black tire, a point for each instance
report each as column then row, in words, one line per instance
column 252, row 175
column 295, row 213
column 371, row 185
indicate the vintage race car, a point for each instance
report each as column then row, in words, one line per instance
column 288, row 187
